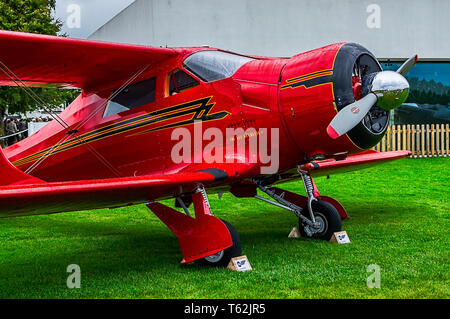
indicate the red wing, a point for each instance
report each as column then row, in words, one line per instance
column 352, row 162
column 22, row 194
column 46, row 198
column 41, row 60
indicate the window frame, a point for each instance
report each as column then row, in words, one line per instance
column 197, row 76
column 171, row 75
column 155, row 97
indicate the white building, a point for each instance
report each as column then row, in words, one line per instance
column 388, row 28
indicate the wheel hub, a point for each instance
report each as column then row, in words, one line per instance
column 320, row 226
column 215, row 257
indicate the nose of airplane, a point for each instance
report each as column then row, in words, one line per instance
column 385, row 89
column 391, row 89
column 339, row 90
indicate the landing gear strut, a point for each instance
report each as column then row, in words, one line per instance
column 317, row 218
column 325, row 217
column 223, row 257
column 205, row 239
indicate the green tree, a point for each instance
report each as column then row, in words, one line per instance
column 33, row 16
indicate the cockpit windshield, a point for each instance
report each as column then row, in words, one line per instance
column 214, row 65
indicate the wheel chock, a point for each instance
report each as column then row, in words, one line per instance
column 295, row 233
column 240, row 264
column 340, row 238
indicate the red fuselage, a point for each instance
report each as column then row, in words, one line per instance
column 300, row 96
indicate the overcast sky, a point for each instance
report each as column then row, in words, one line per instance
column 92, row 14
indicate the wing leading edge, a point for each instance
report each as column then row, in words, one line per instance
column 58, row 197
column 353, row 162
column 40, row 60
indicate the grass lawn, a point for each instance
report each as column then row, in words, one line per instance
column 399, row 220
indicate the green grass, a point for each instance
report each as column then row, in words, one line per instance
column 399, row 220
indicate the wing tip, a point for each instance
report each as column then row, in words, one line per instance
column 332, row 132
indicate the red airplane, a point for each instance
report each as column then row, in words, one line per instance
column 118, row 144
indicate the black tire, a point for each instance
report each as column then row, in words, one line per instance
column 325, row 213
column 222, row 259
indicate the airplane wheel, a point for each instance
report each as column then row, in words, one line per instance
column 328, row 218
column 222, row 258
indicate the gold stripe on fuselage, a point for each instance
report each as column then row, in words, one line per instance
column 199, row 106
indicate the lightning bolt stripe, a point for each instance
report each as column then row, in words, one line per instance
column 309, row 80
column 313, row 74
column 199, row 108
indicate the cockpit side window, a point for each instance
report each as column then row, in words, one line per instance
column 131, row 97
column 179, row 81
column 213, row 65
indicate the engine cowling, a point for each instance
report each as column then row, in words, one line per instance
column 316, row 85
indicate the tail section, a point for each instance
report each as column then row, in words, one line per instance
column 11, row 175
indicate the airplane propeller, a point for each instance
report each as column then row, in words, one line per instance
column 387, row 89
column 407, row 66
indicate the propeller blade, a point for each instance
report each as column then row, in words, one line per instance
column 350, row 116
column 407, row 66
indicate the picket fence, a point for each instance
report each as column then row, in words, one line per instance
column 430, row 140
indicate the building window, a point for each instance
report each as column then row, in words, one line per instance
column 214, row 65
column 179, row 81
column 429, row 95
column 131, row 97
